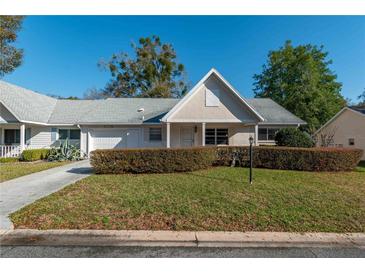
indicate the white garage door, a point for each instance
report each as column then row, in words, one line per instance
column 115, row 138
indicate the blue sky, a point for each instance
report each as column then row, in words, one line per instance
column 61, row 52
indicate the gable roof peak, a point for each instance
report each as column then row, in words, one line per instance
column 199, row 84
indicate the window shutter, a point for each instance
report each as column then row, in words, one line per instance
column 53, row 134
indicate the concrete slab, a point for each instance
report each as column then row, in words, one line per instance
column 98, row 238
column 19, row 192
column 25, row 237
column 273, row 239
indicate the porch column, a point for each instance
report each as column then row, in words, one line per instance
column 256, row 135
column 203, row 134
column 167, row 135
column 22, row 137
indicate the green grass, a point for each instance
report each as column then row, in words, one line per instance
column 13, row 170
column 361, row 166
column 214, row 199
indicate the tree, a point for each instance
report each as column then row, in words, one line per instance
column 153, row 72
column 299, row 79
column 93, row 94
column 361, row 97
column 10, row 56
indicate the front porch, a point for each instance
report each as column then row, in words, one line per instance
column 12, row 140
column 209, row 134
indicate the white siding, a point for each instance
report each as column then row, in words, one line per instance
column 41, row 137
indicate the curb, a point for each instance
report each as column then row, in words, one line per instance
column 30, row 237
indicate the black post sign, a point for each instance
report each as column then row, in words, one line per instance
column 251, row 158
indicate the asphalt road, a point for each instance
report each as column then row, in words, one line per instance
column 185, row 252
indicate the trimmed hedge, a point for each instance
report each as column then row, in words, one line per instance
column 292, row 158
column 152, row 160
column 9, row 160
column 29, row 155
column 116, row 161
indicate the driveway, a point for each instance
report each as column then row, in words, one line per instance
column 19, row 192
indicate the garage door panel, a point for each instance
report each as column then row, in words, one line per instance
column 115, row 138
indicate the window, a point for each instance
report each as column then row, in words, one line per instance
column 351, row 142
column 210, row 136
column 216, row 136
column 72, row 134
column 11, row 136
column 267, row 134
column 262, row 134
column 155, row 134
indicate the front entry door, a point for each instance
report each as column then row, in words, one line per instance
column 187, row 136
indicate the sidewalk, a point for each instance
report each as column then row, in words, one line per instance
column 21, row 191
column 29, row 237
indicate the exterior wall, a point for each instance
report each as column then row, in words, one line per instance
column 347, row 125
column 6, row 116
column 239, row 136
column 230, row 109
column 40, row 137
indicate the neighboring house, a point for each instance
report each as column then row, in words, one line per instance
column 347, row 128
column 212, row 113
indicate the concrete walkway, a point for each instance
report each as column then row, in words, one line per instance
column 19, row 192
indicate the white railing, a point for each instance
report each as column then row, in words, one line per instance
column 9, row 151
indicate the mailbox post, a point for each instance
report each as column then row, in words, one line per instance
column 251, row 157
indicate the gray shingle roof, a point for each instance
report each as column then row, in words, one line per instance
column 359, row 109
column 125, row 110
column 27, row 105
column 273, row 113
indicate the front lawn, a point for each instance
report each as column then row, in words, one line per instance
column 13, row 170
column 361, row 166
column 215, row 199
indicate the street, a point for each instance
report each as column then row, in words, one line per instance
column 176, row 252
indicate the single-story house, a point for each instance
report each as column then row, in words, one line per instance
column 212, row 113
column 345, row 129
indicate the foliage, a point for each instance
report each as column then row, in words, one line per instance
column 11, row 57
column 151, row 160
column 29, row 155
column 94, row 94
column 293, row 137
column 361, row 103
column 66, row 152
column 153, row 72
column 291, row 158
column 115, row 161
column 300, row 80
column 9, row 160
column 325, row 138
column 216, row 199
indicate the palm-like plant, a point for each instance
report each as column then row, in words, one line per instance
column 66, row 152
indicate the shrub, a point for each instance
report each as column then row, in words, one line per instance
column 9, row 160
column 308, row 159
column 293, row 137
column 35, row 154
column 152, row 160
column 66, row 152
column 190, row 159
